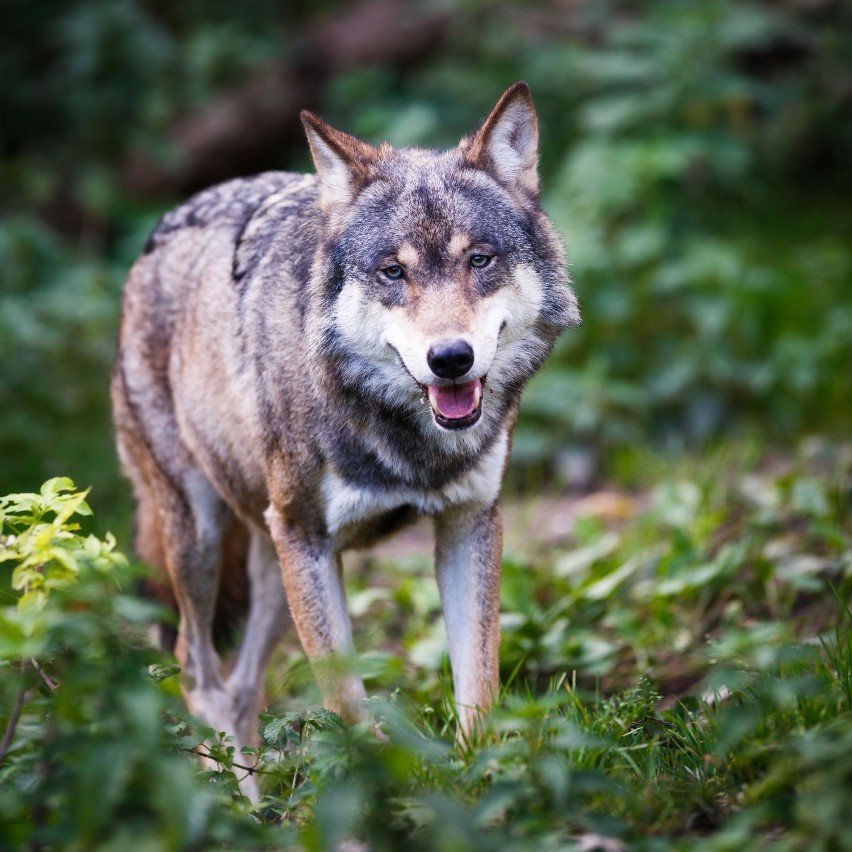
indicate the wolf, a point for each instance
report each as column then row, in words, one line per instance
column 307, row 362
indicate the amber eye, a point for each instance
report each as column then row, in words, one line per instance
column 394, row 272
column 479, row 260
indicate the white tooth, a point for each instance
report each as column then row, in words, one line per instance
column 432, row 401
column 477, row 396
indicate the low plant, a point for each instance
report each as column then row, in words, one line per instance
column 85, row 760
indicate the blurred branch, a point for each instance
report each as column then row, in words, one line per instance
column 12, row 725
column 235, row 133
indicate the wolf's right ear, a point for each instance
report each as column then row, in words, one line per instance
column 343, row 162
column 507, row 142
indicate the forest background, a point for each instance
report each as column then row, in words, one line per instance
column 696, row 159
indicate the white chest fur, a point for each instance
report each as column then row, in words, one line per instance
column 346, row 504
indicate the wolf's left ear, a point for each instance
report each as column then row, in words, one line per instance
column 507, row 142
column 343, row 162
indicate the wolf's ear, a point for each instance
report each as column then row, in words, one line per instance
column 343, row 162
column 507, row 142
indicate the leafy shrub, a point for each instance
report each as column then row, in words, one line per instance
column 86, row 761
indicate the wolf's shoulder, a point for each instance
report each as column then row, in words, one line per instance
column 232, row 203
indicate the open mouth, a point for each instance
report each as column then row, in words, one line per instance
column 456, row 406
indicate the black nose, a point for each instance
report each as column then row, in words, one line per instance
column 449, row 360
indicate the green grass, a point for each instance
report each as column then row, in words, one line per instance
column 681, row 673
column 677, row 674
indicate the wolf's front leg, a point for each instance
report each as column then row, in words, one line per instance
column 468, row 553
column 312, row 579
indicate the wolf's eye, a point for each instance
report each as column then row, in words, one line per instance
column 394, row 271
column 479, row 260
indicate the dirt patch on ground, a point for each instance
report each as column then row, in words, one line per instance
column 530, row 525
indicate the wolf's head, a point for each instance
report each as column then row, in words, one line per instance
column 441, row 285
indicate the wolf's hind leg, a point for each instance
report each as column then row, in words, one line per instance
column 193, row 521
column 268, row 618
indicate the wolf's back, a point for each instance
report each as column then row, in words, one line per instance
column 228, row 205
column 200, row 239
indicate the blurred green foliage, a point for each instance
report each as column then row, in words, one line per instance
column 695, row 157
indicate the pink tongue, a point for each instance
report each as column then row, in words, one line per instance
column 455, row 401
